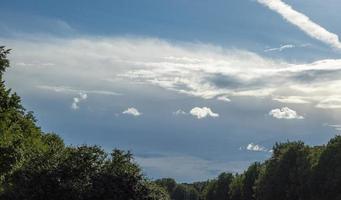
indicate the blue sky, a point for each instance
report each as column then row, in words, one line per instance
column 192, row 88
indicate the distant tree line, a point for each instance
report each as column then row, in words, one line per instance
column 295, row 171
column 38, row 166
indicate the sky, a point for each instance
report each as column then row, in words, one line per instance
column 193, row 88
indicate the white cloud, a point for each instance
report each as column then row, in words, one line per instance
column 286, row 46
column 281, row 48
column 132, row 111
column 330, row 103
column 223, row 98
column 336, row 126
column 256, row 147
column 303, row 22
column 65, row 89
column 203, row 112
column 292, row 99
column 77, row 100
column 186, row 68
column 180, row 112
column 285, row 113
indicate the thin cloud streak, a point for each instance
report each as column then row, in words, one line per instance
column 303, row 22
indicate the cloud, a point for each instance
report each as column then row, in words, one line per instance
column 132, row 111
column 286, row 46
column 303, row 22
column 337, row 127
column 77, row 100
column 281, row 48
column 199, row 70
column 256, row 147
column 285, row 113
column 203, row 112
column 223, row 98
column 330, row 103
column 65, row 89
column 292, row 99
column 180, row 112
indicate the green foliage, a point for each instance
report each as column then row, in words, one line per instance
column 185, row 192
column 219, row 189
column 287, row 173
column 168, row 184
column 4, row 62
column 236, row 188
column 249, row 180
column 156, row 192
column 326, row 183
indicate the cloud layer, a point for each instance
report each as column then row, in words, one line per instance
column 200, row 70
column 303, row 22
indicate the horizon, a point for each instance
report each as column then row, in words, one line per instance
column 192, row 88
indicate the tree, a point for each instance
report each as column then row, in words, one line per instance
column 185, row 192
column 286, row 173
column 20, row 138
column 156, row 192
column 219, row 189
column 168, row 183
column 326, row 183
column 250, row 177
column 236, row 188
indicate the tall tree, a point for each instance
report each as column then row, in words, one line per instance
column 250, row 177
column 219, row 189
column 286, row 173
column 326, row 183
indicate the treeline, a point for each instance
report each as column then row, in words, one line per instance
column 295, row 171
column 38, row 166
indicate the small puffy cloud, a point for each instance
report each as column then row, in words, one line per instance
column 180, row 112
column 256, row 147
column 132, row 111
column 77, row 100
column 203, row 112
column 285, row 113
column 223, row 98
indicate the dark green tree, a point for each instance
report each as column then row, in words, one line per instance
column 249, row 179
column 168, row 183
column 236, row 188
column 219, row 189
column 286, row 173
column 185, row 192
column 326, row 181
